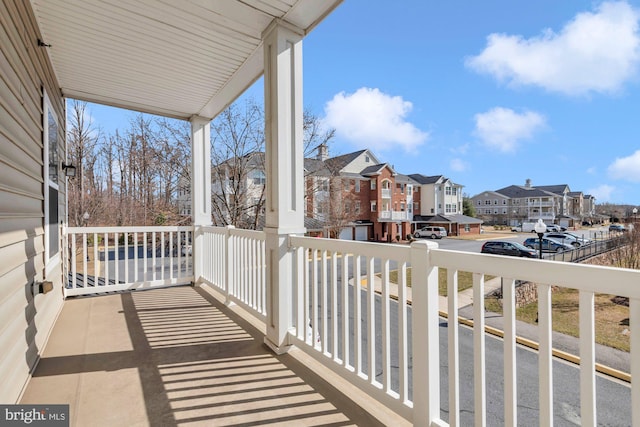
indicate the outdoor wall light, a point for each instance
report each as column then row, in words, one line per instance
column 69, row 170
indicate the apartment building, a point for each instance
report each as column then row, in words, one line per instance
column 552, row 203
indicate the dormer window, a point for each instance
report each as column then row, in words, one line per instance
column 366, row 159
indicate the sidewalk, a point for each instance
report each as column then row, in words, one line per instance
column 610, row 358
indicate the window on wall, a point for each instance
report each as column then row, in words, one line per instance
column 374, row 206
column 357, row 206
column 373, row 184
column 52, row 160
column 357, row 186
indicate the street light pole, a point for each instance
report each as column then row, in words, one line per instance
column 540, row 228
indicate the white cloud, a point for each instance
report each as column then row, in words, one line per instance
column 373, row 119
column 458, row 165
column 462, row 149
column 602, row 193
column 595, row 52
column 591, row 170
column 502, row 128
column 626, row 168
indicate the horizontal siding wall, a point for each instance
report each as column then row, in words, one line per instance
column 25, row 321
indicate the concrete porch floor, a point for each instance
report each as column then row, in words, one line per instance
column 178, row 356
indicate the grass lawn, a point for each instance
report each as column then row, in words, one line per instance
column 465, row 279
column 610, row 322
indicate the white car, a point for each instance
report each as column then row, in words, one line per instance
column 432, row 232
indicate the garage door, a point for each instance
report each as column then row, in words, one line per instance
column 346, row 233
column 362, row 233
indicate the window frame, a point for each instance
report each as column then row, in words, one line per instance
column 52, row 260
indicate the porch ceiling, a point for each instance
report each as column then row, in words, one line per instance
column 172, row 58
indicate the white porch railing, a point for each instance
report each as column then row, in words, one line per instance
column 107, row 259
column 345, row 316
column 350, row 347
column 234, row 263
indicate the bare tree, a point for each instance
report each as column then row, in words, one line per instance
column 238, row 172
column 83, row 144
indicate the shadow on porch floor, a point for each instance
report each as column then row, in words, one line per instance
column 177, row 356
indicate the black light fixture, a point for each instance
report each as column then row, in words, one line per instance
column 69, row 170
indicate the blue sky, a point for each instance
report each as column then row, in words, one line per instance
column 486, row 93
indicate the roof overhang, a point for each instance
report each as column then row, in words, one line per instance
column 172, row 58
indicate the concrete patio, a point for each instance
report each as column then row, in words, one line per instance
column 178, row 356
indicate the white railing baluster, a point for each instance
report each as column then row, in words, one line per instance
column 479, row 374
column 386, row 347
column 145, row 254
column 96, row 261
column 106, row 259
column 323, row 300
column 85, row 258
column 306, row 307
column 346, row 342
column 510, row 378
column 73, row 254
column 634, row 321
column 314, row 297
column 154, row 266
column 299, row 292
column 135, row 257
column 587, row 359
column 116, row 271
column 357, row 318
column 371, row 330
column 126, row 258
column 334, row 306
column 545, row 355
column 453, row 345
column 403, row 350
column 163, row 256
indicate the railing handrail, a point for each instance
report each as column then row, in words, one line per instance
column 128, row 229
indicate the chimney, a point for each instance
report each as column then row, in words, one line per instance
column 323, row 152
column 527, row 183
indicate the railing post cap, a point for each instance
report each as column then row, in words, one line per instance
column 423, row 245
column 230, row 226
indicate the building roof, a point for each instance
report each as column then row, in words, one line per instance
column 422, row 179
column 556, row 189
column 521, row 192
column 336, row 164
column 375, row 169
column 317, row 167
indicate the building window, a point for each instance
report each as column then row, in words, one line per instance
column 479, row 202
column 409, row 189
column 374, row 206
column 401, row 207
column 324, row 185
column 366, row 159
column 258, row 177
column 467, row 228
column 487, row 202
column 357, row 205
column 357, row 186
column 52, row 160
column 504, row 202
column 504, row 211
column 373, row 184
column 416, row 208
column 401, row 187
column 447, row 191
column 495, row 201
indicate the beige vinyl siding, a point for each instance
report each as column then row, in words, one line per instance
column 25, row 321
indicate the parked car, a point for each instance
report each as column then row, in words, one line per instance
column 617, row 228
column 508, row 248
column 565, row 238
column 553, row 227
column 432, row 232
column 583, row 240
column 548, row 245
column 186, row 250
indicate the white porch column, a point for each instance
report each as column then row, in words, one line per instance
column 200, row 187
column 284, row 174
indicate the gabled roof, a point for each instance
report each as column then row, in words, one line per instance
column 447, row 219
column 376, row 169
column 336, row 164
column 557, row 189
column 421, row 179
column 406, row 179
column 520, row 192
column 316, row 167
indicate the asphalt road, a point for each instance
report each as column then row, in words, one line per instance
column 613, row 397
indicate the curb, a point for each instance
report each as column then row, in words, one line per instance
column 600, row 368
